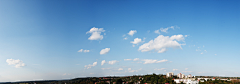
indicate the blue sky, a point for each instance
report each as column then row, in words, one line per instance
column 49, row 40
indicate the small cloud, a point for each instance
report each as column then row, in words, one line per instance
column 135, row 59
column 160, row 69
column 103, row 62
column 127, row 59
column 203, row 46
column 90, row 66
column 133, row 45
column 202, row 53
column 18, row 63
column 120, row 69
column 123, row 35
column 166, row 29
column 187, row 71
column 157, row 32
column 150, row 61
column 215, row 54
column 175, row 69
column 136, row 41
column 132, row 32
column 112, row 62
column 186, row 35
column 104, row 68
column 148, row 31
column 81, row 50
column 205, row 50
column 96, row 33
column 125, row 38
column 91, row 73
column 104, row 51
column 186, row 68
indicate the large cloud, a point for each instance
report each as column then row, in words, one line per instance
column 132, row 32
column 150, row 61
column 18, row 63
column 96, row 33
column 161, row 43
column 104, row 51
column 136, row 41
column 90, row 66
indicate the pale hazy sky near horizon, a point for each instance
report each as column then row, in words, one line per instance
column 58, row 39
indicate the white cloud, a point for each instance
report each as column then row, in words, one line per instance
column 215, row 54
column 135, row 59
column 112, row 62
column 203, row 46
column 127, row 59
column 86, row 50
column 18, row 63
column 161, row 43
column 81, row 50
column 125, row 38
column 96, row 33
column 187, row 71
column 120, row 69
column 149, row 61
column 90, row 66
column 175, row 69
column 136, row 41
column 91, row 73
column 166, row 29
column 103, row 62
column 132, row 32
column 186, row 35
column 186, row 68
column 202, row 53
column 160, row 69
column 130, row 70
column 157, row 32
column 104, row 51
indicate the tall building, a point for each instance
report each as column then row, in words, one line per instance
column 180, row 75
column 170, row 74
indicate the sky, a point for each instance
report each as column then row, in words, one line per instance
column 60, row 39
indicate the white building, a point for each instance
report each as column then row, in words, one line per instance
column 180, row 75
column 187, row 81
column 170, row 74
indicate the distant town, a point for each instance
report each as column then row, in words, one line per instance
column 169, row 78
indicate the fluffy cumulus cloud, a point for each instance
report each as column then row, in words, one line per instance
column 90, row 66
column 81, row 50
column 96, row 33
column 104, row 51
column 136, row 41
column 160, row 69
column 112, row 62
column 150, row 61
column 103, row 62
column 127, row 59
column 132, row 32
column 161, row 43
column 18, row 63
